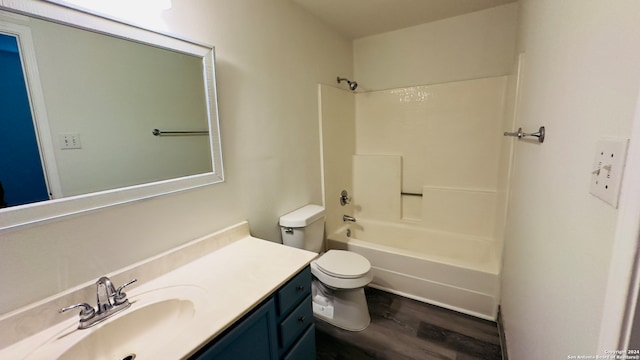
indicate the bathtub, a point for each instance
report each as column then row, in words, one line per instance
column 454, row 271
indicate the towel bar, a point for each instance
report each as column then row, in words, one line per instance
column 157, row 132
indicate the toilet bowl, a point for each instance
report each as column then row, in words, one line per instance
column 339, row 276
column 338, row 289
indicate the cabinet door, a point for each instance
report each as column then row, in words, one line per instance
column 305, row 348
column 254, row 338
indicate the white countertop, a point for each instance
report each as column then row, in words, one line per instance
column 232, row 279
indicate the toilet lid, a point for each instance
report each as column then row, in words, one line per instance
column 343, row 264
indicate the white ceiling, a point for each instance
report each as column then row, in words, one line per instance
column 358, row 18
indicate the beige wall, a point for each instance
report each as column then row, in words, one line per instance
column 581, row 78
column 270, row 58
column 476, row 45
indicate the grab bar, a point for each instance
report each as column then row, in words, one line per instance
column 157, row 132
column 520, row 134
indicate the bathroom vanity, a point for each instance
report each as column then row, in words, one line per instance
column 280, row 328
column 225, row 296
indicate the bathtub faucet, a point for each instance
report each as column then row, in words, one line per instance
column 348, row 218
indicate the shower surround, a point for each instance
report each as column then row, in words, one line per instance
column 427, row 167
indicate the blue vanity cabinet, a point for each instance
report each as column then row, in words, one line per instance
column 295, row 318
column 253, row 337
column 280, row 328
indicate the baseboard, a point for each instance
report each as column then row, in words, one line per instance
column 503, row 338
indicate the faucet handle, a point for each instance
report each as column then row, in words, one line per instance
column 121, row 297
column 86, row 313
column 344, row 198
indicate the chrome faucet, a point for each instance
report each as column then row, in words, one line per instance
column 348, row 218
column 105, row 291
column 109, row 302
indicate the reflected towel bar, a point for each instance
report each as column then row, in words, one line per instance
column 410, row 194
column 157, row 132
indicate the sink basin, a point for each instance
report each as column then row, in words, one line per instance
column 145, row 330
column 135, row 332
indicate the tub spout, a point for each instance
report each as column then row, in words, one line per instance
column 348, row 218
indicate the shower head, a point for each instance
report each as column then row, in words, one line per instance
column 352, row 84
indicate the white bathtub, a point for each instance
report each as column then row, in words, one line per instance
column 458, row 272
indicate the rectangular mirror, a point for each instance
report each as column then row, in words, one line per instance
column 111, row 113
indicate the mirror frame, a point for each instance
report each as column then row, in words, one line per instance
column 80, row 18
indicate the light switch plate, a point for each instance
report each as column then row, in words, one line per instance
column 70, row 141
column 608, row 168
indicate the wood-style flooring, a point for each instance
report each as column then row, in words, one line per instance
column 403, row 329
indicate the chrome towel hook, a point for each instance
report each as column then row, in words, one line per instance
column 520, row 134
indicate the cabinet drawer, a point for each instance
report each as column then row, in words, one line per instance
column 295, row 290
column 305, row 349
column 294, row 324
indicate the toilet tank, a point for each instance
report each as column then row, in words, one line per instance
column 303, row 228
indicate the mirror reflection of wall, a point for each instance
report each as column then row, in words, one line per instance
column 107, row 95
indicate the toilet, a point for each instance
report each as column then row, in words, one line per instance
column 339, row 276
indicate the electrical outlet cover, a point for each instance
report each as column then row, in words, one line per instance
column 607, row 170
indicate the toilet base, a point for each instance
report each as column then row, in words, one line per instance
column 344, row 308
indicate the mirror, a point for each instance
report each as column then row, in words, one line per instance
column 119, row 113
